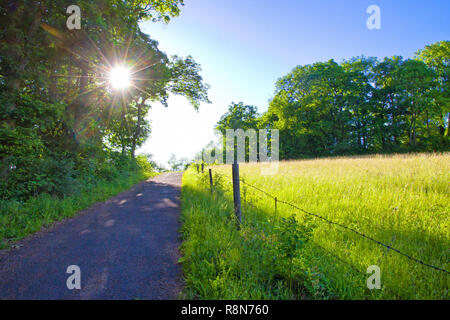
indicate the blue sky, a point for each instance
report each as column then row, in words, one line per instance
column 244, row 46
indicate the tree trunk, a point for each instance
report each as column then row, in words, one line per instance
column 412, row 131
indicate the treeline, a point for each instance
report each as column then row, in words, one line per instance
column 359, row 106
column 61, row 124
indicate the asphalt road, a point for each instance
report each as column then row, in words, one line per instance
column 126, row 248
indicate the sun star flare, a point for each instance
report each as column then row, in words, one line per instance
column 120, row 78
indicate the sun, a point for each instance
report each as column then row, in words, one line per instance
column 120, row 78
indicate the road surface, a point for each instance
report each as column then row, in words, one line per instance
column 125, row 248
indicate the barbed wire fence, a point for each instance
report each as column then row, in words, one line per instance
column 350, row 229
column 278, row 201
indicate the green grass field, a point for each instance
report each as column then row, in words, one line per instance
column 399, row 200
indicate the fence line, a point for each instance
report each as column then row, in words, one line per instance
column 277, row 200
column 351, row 229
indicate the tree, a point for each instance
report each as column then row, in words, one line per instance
column 310, row 108
column 177, row 164
column 437, row 57
column 416, row 82
column 359, row 106
column 238, row 116
column 62, row 111
column 388, row 114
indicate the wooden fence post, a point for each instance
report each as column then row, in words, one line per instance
column 203, row 167
column 276, row 213
column 276, row 204
column 237, row 192
column 244, row 190
column 211, row 180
